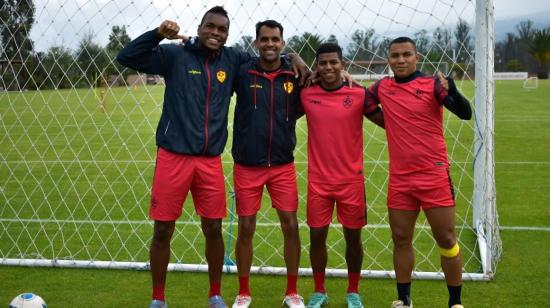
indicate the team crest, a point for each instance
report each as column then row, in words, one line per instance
column 347, row 102
column 288, row 86
column 221, row 76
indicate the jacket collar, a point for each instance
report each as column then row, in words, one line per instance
column 285, row 65
column 194, row 45
column 411, row 77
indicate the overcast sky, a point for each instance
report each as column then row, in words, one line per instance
column 65, row 22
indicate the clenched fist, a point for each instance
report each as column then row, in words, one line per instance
column 170, row 30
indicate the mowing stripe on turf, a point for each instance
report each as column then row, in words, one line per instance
column 303, row 225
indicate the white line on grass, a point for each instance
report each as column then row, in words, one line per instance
column 265, row 224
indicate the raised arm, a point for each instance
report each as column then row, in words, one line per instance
column 454, row 101
column 144, row 54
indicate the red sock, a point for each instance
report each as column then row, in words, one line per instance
column 244, row 287
column 353, row 282
column 158, row 292
column 291, row 284
column 215, row 288
column 319, row 280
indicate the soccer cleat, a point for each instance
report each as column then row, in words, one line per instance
column 354, row 301
column 216, row 301
column 293, row 301
column 158, row 304
column 400, row 304
column 317, row 300
column 457, row 306
column 242, row 301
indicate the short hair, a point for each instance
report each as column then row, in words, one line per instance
column 328, row 48
column 268, row 23
column 402, row 39
column 219, row 10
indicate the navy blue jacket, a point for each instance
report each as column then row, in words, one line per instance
column 265, row 115
column 199, row 85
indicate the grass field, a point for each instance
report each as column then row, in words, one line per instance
column 66, row 161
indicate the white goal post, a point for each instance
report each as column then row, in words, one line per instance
column 77, row 131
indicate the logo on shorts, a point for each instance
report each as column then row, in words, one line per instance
column 153, row 202
column 347, row 102
column 315, row 102
column 418, row 93
column 221, row 76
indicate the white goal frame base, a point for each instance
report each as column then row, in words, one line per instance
column 232, row 269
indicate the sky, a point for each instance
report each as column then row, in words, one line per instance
column 65, row 22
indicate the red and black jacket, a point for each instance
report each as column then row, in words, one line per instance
column 265, row 115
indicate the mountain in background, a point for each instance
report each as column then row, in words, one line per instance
column 508, row 25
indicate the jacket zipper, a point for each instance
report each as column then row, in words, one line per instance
column 207, row 102
column 272, row 83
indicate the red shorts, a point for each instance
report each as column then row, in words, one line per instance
column 176, row 174
column 279, row 180
column 351, row 205
column 425, row 189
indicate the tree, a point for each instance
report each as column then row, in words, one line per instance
column 506, row 51
column 92, row 61
column 305, row 46
column 117, row 40
column 539, row 46
column 384, row 48
column 58, row 67
column 441, row 45
column 463, row 44
column 514, row 66
column 15, row 44
column 422, row 42
column 525, row 29
column 246, row 44
column 364, row 42
column 332, row 39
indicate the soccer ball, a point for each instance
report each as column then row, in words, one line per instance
column 27, row 300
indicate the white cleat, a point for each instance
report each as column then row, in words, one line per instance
column 293, row 301
column 242, row 301
column 400, row 304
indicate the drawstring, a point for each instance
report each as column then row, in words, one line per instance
column 286, row 90
column 255, row 86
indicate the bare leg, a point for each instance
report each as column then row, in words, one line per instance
column 243, row 249
column 442, row 221
column 289, row 225
column 211, row 228
column 159, row 254
column 402, row 227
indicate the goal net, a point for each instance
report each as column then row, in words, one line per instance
column 77, row 130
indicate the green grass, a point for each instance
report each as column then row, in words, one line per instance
column 86, row 180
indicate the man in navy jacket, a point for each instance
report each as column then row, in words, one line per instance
column 263, row 143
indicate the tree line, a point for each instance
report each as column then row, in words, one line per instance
column 22, row 67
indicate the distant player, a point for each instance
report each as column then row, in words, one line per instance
column 263, row 143
column 334, row 113
column 419, row 169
